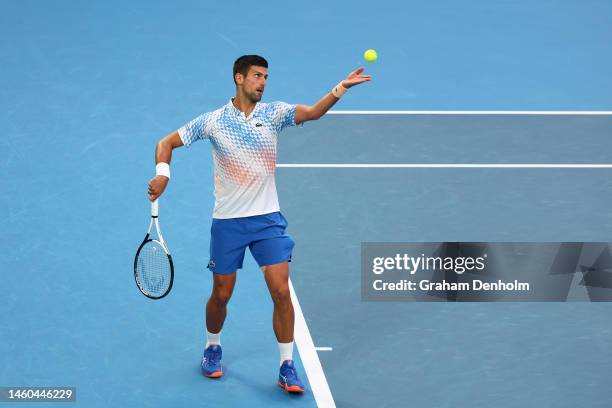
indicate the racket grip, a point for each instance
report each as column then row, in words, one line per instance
column 154, row 208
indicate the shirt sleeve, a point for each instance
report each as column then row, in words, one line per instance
column 283, row 114
column 197, row 129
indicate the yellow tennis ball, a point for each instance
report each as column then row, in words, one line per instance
column 370, row 55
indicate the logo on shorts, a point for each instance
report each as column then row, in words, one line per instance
column 211, row 264
column 258, row 125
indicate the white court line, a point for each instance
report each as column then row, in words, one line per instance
column 446, row 165
column 310, row 359
column 463, row 112
column 324, row 349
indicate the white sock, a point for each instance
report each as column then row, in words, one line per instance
column 212, row 339
column 286, row 351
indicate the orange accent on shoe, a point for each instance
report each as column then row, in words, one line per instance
column 293, row 388
column 216, row 374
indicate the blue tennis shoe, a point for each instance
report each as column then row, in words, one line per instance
column 288, row 379
column 211, row 362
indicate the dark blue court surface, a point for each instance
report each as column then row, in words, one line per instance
column 432, row 355
column 88, row 88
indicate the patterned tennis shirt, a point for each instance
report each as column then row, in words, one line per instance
column 244, row 155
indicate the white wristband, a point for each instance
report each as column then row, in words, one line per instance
column 339, row 90
column 162, row 169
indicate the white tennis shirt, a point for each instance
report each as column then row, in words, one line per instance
column 244, row 155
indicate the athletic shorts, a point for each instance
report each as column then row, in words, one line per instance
column 263, row 234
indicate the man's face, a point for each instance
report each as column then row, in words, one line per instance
column 254, row 82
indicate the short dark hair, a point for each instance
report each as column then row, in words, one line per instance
column 242, row 64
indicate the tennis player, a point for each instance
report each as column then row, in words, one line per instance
column 244, row 135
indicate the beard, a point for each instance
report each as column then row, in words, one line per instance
column 254, row 96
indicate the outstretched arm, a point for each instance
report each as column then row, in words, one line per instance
column 313, row 112
column 163, row 154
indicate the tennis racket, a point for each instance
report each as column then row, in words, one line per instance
column 153, row 268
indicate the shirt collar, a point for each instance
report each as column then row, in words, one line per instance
column 238, row 112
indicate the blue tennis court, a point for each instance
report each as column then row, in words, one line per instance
column 445, row 354
column 90, row 87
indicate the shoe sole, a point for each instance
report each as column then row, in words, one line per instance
column 216, row 374
column 293, row 389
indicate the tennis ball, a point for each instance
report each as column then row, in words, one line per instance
column 370, row 55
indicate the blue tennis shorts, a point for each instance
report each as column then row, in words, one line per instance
column 263, row 234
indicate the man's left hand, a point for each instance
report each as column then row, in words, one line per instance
column 355, row 78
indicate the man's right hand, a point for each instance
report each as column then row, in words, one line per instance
column 157, row 185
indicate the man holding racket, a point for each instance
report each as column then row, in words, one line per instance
column 244, row 134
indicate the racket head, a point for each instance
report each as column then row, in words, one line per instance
column 153, row 269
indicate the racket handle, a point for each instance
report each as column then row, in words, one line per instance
column 154, row 208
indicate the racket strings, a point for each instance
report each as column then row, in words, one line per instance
column 154, row 270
